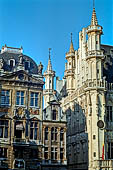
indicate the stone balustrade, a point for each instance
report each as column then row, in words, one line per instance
column 95, row 53
column 88, row 85
column 103, row 164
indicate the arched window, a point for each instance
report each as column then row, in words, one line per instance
column 12, row 62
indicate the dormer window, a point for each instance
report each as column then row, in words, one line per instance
column 27, row 65
column 12, row 62
column 54, row 114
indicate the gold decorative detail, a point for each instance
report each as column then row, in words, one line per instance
column 31, row 111
column 20, row 111
column 34, row 112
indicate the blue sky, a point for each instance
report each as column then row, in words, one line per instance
column 41, row 24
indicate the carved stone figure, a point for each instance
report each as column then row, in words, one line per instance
column 1, row 63
column 20, row 59
column 40, row 68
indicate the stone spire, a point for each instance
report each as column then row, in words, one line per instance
column 94, row 21
column 71, row 50
column 49, row 67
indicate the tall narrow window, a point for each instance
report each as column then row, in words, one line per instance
column 54, row 133
column 61, row 134
column 3, row 128
column 61, row 153
column 5, row 97
column 46, row 152
column 20, row 98
column 110, row 150
column 27, row 65
column 34, row 99
column 33, row 130
column 54, row 114
column 53, row 153
column 46, row 133
column 3, row 152
column 109, row 113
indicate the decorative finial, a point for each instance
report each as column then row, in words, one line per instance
column 49, row 52
column 71, row 36
column 93, row 3
column 71, row 45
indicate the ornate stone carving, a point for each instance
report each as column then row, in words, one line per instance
column 1, row 63
column 40, row 68
column 34, row 111
column 20, row 59
column 20, row 110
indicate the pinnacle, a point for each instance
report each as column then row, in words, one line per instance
column 49, row 67
column 94, row 18
column 71, row 50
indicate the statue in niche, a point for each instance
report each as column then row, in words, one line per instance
column 1, row 63
column 20, row 59
column 40, row 68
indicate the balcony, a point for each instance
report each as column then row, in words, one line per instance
column 26, row 141
column 20, row 141
column 103, row 164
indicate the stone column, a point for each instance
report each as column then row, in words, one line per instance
column 58, row 144
column 24, row 125
column 43, row 141
column 65, row 160
column 12, row 126
column 49, row 144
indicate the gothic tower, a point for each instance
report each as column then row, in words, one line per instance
column 96, row 109
column 49, row 75
column 70, row 68
column 94, row 55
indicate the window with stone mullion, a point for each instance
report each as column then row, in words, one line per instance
column 46, row 152
column 54, row 133
column 3, row 129
column 34, row 99
column 5, row 97
column 33, row 130
column 53, row 153
column 20, row 98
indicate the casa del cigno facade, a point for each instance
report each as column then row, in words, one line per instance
column 21, row 86
column 30, row 138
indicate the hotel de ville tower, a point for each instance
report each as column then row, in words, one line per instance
column 86, row 94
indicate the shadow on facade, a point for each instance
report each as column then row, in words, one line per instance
column 77, row 138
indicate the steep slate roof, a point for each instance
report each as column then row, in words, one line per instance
column 7, row 56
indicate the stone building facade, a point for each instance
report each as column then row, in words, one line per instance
column 54, row 125
column 86, row 98
column 21, row 94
